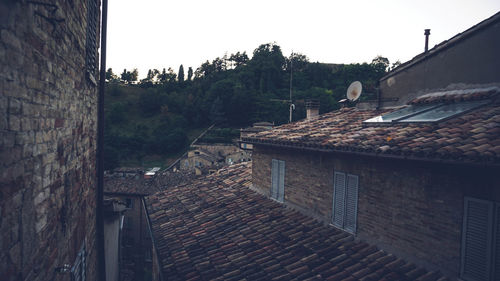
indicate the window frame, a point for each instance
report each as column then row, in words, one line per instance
column 492, row 240
column 348, row 218
column 278, row 178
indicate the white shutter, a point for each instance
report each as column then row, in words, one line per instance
column 274, row 178
column 339, row 182
column 496, row 243
column 281, row 185
column 351, row 203
column 477, row 240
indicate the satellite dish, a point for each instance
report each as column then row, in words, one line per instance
column 354, row 90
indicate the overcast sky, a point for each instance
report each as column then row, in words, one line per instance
column 162, row 33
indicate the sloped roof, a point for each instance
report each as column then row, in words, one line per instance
column 473, row 137
column 216, row 228
column 129, row 186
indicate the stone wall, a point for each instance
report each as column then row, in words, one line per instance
column 411, row 209
column 48, row 123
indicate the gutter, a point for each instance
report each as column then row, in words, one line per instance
column 101, row 260
column 371, row 154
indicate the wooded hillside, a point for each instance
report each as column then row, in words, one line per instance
column 154, row 118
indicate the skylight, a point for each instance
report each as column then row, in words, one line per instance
column 445, row 111
column 401, row 113
column 426, row 113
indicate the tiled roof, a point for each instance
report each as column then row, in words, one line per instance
column 216, row 228
column 129, row 186
column 471, row 137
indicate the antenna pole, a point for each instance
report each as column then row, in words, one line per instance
column 291, row 78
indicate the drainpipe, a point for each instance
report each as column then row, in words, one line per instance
column 427, row 32
column 101, row 262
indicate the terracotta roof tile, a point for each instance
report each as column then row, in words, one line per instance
column 129, row 186
column 471, row 137
column 217, row 228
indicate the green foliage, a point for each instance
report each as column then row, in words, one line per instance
column 181, row 74
column 156, row 115
column 190, row 73
column 220, row 135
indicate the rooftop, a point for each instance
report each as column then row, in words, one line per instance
column 471, row 137
column 129, row 186
column 217, row 228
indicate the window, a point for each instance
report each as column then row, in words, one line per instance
column 345, row 201
column 480, row 240
column 78, row 269
column 278, row 180
column 91, row 44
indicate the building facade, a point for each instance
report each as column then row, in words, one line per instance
column 48, row 130
column 136, row 247
column 417, row 179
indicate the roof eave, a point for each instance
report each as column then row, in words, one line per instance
column 377, row 154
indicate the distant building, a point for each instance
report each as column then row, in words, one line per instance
column 256, row 127
column 136, row 242
column 48, row 136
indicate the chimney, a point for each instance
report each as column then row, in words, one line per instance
column 427, row 32
column 312, row 108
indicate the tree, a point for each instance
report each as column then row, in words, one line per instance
column 128, row 76
column 110, row 76
column 171, row 76
column 134, row 75
column 395, row 64
column 217, row 115
column 190, row 73
column 381, row 63
column 180, row 76
column 239, row 59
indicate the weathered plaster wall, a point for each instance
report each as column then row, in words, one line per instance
column 48, row 115
column 412, row 209
column 474, row 60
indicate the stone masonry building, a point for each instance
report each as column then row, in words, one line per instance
column 418, row 174
column 48, row 131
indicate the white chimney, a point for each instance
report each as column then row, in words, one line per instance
column 312, row 108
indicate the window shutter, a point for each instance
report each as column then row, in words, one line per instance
column 496, row 248
column 477, row 240
column 91, row 45
column 351, row 203
column 274, row 178
column 339, row 182
column 281, row 186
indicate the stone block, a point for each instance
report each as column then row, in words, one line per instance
column 11, row 40
column 14, row 123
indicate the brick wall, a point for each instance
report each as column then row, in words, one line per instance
column 48, row 120
column 412, row 209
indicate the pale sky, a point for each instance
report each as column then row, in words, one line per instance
column 159, row 34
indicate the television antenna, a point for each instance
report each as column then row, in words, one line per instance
column 289, row 101
column 354, row 91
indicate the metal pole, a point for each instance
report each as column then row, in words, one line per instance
column 101, row 266
column 427, row 32
column 291, row 79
